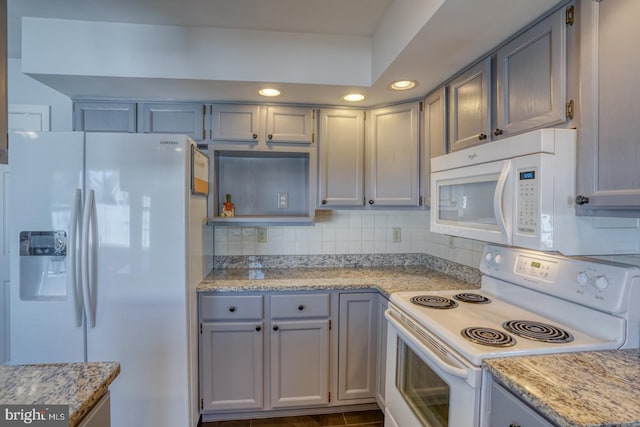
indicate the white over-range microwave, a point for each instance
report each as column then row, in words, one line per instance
column 520, row 191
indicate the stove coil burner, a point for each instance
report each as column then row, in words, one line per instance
column 488, row 336
column 538, row 331
column 472, row 298
column 431, row 301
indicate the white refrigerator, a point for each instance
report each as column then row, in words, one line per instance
column 107, row 244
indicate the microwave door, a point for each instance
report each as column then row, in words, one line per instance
column 472, row 202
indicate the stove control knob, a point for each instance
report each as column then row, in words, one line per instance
column 582, row 278
column 498, row 258
column 488, row 257
column 601, row 283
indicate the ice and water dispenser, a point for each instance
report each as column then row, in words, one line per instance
column 43, row 265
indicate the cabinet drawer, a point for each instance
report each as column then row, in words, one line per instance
column 231, row 307
column 297, row 306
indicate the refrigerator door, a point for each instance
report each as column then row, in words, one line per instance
column 140, row 183
column 45, row 182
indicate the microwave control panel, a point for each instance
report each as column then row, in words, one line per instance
column 527, row 201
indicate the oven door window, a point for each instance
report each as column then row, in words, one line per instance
column 424, row 391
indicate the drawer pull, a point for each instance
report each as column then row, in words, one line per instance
column 514, row 425
column 301, row 307
column 258, row 328
column 232, row 308
column 275, row 327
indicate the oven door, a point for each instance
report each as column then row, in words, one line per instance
column 426, row 383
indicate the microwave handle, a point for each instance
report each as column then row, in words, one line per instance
column 498, row 205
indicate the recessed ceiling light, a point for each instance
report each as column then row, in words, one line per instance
column 353, row 97
column 404, row 84
column 269, row 92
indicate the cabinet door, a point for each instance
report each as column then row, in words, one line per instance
column 187, row 119
column 290, row 125
column 299, row 363
column 231, row 365
column 393, row 156
column 608, row 135
column 104, row 116
column 235, row 123
column 469, row 111
column 531, row 78
column 508, row 410
column 357, row 346
column 341, row 144
column 434, row 141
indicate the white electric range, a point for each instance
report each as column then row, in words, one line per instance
column 528, row 303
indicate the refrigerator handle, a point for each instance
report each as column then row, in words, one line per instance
column 88, row 258
column 74, row 279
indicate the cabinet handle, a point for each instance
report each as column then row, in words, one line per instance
column 514, row 425
column 581, row 200
column 275, row 327
column 371, row 202
column 482, row 137
column 232, row 308
column 258, row 328
column 301, row 307
column 255, row 136
column 324, row 202
column 498, row 132
column 270, row 136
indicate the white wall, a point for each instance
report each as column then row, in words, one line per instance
column 23, row 89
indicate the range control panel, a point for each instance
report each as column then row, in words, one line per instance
column 586, row 281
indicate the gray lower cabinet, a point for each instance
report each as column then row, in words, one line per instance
column 103, row 116
column 100, row 414
column 358, row 346
column 609, row 130
column 509, row 411
column 381, row 363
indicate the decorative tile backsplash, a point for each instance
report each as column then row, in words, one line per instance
column 345, row 232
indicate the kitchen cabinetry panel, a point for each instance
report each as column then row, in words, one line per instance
column 393, row 156
column 104, row 116
column 469, row 107
column 163, row 117
column 299, row 363
column 357, row 346
column 231, row 365
column 508, row 410
column 341, row 145
column 381, row 365
column 609, row 131
column 230, row 307
column 231, row 122
column 290, row 125
column 434, row 141
column 531, row 73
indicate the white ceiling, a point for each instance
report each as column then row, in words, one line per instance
column 458, row 33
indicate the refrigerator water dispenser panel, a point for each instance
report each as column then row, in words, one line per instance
column 43, row 265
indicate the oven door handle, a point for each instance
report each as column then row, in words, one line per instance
column 438, row 357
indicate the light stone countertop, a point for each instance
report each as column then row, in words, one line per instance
column 79, row 385
column 599, row 388
column 386, row 280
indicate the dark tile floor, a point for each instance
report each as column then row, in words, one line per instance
column 345, row 419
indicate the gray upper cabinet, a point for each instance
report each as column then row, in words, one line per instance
column 163, row 117
column 341, row 163
column 104, row 116
column 236, row 123
column 469, row 107
column 434, row 141
column 290, row 125
column 531, row 73
column 609, row 130
column 393, row 156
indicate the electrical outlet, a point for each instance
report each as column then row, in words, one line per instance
column 397, row 235
column 283, row 200
column 261, row 235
